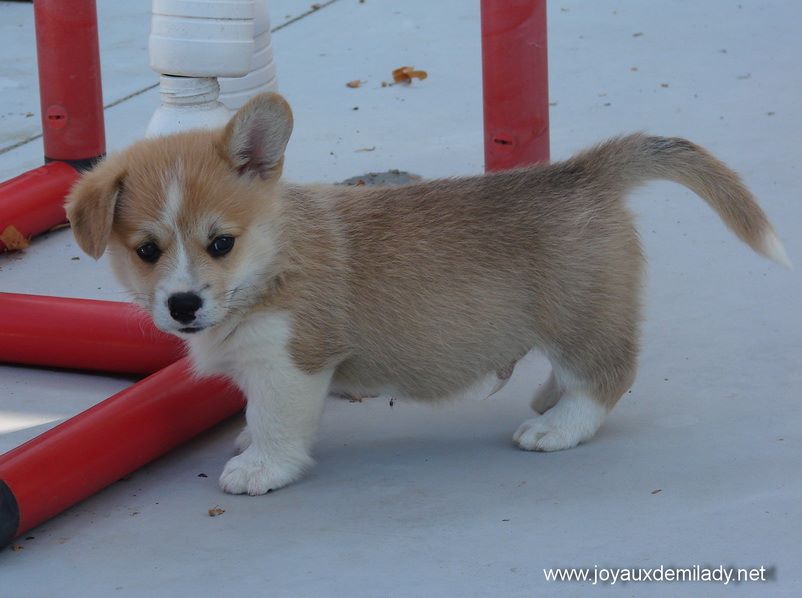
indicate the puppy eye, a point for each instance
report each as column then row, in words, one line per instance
column 149, row 252
column 220, row 245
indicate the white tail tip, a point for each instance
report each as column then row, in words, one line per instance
column 773, row 249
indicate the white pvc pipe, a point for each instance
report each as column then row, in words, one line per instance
column 192, row 42
column 187, row 103
column 202, row 38
column 234, row 92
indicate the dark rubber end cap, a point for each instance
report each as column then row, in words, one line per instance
column 9, row 515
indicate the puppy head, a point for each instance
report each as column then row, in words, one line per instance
column 191, row 221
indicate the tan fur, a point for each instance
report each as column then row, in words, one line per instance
column 422, row 289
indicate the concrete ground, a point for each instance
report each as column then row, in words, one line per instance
column 698, row 465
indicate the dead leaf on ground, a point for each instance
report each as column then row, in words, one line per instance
column 13, row 239
column 406, row 74
column 216, row 511
column 658, row 491
column 354, row 84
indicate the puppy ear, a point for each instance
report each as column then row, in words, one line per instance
column 256, row 136
column 91, row 203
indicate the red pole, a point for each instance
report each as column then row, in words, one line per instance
column 82, row 334
column 79, row 457
column 515, row 83
column 33, row 203
column 72, row 119
column 69, row 81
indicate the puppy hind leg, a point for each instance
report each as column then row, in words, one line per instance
column 547, row 395
column 576, row 415
column 575, row 418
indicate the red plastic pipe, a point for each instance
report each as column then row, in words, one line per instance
column 86, row 453
column 69, row 80
column 33, row 203
column 515, row 83
column 73, row 130
column 85, row 334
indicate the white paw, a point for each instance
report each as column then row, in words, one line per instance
column 574, row 419
column 255, row 473
column 243, row 440
column 538, row 434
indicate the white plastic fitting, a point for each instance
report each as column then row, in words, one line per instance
column 234, row 92
column 187, row 103
column 202, row 38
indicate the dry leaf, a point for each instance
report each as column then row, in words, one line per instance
column 658, row 491
column 13, row 239
column 354, row 84
column 17, row 547
column 406, row 74
column 316, row 6
column 216, row 511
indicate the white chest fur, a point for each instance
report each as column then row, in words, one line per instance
column 232, row 348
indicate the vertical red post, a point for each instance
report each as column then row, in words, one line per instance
column 69, row 81
column 72, row 120
column 515, row 83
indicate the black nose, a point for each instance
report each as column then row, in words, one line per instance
column 183, row 306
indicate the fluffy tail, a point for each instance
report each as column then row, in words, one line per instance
column 641, row 158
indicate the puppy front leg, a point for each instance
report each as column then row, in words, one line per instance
column 283, row 415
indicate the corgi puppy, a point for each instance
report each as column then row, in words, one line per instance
column 420, row 290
